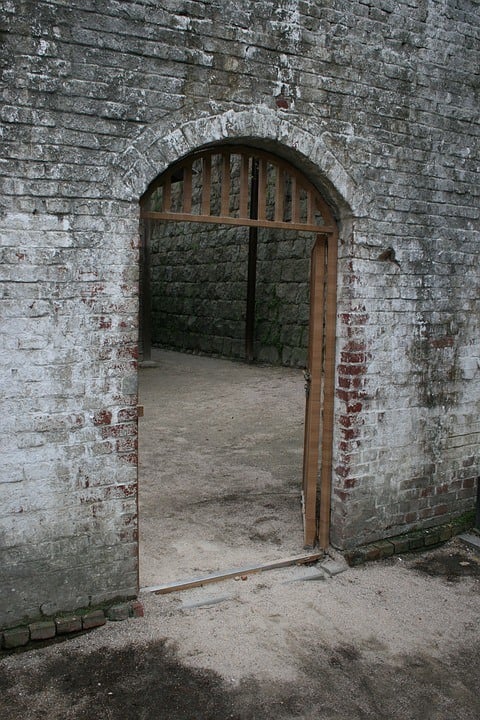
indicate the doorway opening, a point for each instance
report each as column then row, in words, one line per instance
column 217, row 435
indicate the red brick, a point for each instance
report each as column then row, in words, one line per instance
column 102, row 417
column 68, row 625
column 42, row 630
column 137, row 609
column 93, row 619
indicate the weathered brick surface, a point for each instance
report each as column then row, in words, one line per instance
column 17, row 637
column 119, row 612
column 414, row 541
column 137, row 609
column 42, row 630
column 93, row 619
column 67, row 625
column 377, row 102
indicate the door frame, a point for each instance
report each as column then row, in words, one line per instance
column 320, row 372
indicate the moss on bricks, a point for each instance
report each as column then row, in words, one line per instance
column 400, row 544
column 410, row 542
column 16, row 637
column 416, row 540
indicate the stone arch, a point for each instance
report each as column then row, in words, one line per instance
column 162, row 144
column 281, row 140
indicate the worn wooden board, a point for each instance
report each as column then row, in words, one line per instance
column 235, row 572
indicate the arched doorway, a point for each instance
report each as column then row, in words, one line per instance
column 238, row 185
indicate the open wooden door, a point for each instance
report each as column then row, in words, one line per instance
column 319, row 388
column 313, row 391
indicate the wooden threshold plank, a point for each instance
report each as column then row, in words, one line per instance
column 226, row 574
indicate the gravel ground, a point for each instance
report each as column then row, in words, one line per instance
column 397, row 639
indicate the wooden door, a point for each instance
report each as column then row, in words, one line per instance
column 319, row 388
column 313, row 391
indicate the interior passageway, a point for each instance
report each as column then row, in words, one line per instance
column 221, row 451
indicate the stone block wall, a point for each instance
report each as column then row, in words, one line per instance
column 199, row 291
column 376, row 101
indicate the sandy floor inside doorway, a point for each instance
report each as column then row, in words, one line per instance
column 221, row 449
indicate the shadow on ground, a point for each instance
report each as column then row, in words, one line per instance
column 450, row 565
column 148, row 683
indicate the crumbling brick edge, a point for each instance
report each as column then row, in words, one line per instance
column 36, row 634
column 414, row 541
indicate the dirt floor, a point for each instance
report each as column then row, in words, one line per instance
column 221, row 453
column 393, row 640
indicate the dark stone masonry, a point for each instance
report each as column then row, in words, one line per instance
column 199, row 281
column 376, row 103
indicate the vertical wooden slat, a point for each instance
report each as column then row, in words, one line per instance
column 167, row 194
column 329, row 391
column 262, row 189
column 310, row 208
column 244, row 167
column 225, row 202
column 322, row 207
column 295, row 200
column 279, row 195
column 314, row 397
column 187, row 189
column 206, row 185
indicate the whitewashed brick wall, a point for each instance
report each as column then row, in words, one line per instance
column 377, row 102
